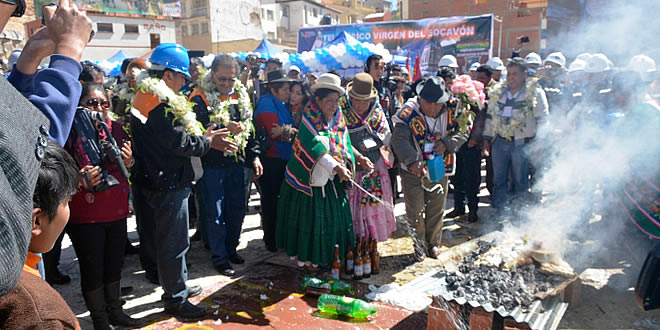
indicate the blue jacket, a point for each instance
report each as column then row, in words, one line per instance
column 55, row 91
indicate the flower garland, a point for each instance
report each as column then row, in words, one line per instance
column 220, row 110
column 177, row 103
column 125, row 93
column 506, row 126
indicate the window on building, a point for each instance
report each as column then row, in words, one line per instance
column 154, row 40
column 285, row 11
column 131, row 28
column 205, row 28
column 315, row 13
column 195, row 29
column 271, row 35
column 199, row 8
column 305, row 14
column 184, row 30
column 104, row 27
column 270, row 15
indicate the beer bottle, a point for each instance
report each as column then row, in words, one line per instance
column 357, row 262
column 366, row 260
column 336, row 264
column 375, row 257
column 349, row 259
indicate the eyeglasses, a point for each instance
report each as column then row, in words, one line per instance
column 224, row 79
column 20, row 7
column 94, row 102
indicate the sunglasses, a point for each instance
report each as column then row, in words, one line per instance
column 20, row 7
column 93, row 103
column 224, row 80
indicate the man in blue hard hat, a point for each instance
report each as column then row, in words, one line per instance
column 166, row 135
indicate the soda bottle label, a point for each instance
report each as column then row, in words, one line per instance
column 334, row 273
column 345, row 306
column 349, row 265
column 367, row 269
column 358, row 271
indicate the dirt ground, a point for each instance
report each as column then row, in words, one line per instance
column 607, row 299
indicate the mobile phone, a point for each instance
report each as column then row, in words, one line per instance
column 524, row 39
column 43, row 19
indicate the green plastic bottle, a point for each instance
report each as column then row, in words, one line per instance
column 314, row 285
column 341, row 305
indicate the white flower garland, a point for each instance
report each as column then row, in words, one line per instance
column 506, row 127
column 221, row 115
column 177, row 103
column 125, row 93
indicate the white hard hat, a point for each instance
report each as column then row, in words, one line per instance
column 533, row 58
column 475, row 66
column 644, row 65
column 597, row 63
column 294, row 68
column 496, row 64
column 448, row 60
column 557, row 58
column 404, row 70
column 584, row 57
column 577, row 65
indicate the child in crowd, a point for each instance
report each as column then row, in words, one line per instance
column 33, row 303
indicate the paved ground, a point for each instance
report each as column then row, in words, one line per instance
column 607, row 299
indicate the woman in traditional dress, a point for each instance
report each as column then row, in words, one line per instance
column 313, row 213
column 373, row 215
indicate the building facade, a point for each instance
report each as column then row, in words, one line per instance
column 514, row 18
column 135, row 36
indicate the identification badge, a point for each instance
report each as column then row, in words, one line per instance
column 233, row 101
column 507, row 112
column 369, row 143
column 428, row 147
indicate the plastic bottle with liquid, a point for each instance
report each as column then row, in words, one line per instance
column 346, row 306
column 436, row 166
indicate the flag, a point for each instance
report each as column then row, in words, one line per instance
column 418, row 69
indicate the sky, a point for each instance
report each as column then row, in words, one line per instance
column 393, row 4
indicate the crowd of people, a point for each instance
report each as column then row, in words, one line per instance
column 326, row 154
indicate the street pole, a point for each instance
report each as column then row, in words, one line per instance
column 499, row 46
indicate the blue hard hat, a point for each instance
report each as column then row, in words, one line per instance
column 172, row 56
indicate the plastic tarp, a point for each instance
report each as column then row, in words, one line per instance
column 267, row 49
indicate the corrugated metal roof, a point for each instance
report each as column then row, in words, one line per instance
column 543, row 314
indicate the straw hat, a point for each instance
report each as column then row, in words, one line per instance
column 329, row 81
column 362, row 87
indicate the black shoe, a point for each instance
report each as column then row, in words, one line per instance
column 456, row 212
column 225, row 269
column 126, row 290
column 194, row 291
column 197, row 236
column 473, row 217
column 58, row 278
column 236, row 259
column 152, row 277
column 131, row 249
column 186, row 311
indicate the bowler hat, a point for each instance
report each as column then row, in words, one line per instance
column 277, row 76
column 362, row 87
column 433, row 89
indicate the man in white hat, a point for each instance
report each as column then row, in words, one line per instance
column 448, row 61
column 553, row 80
column 422, row 130
column 533, row 62
column 294, row 73
column 497, row 65
column 473, row 70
